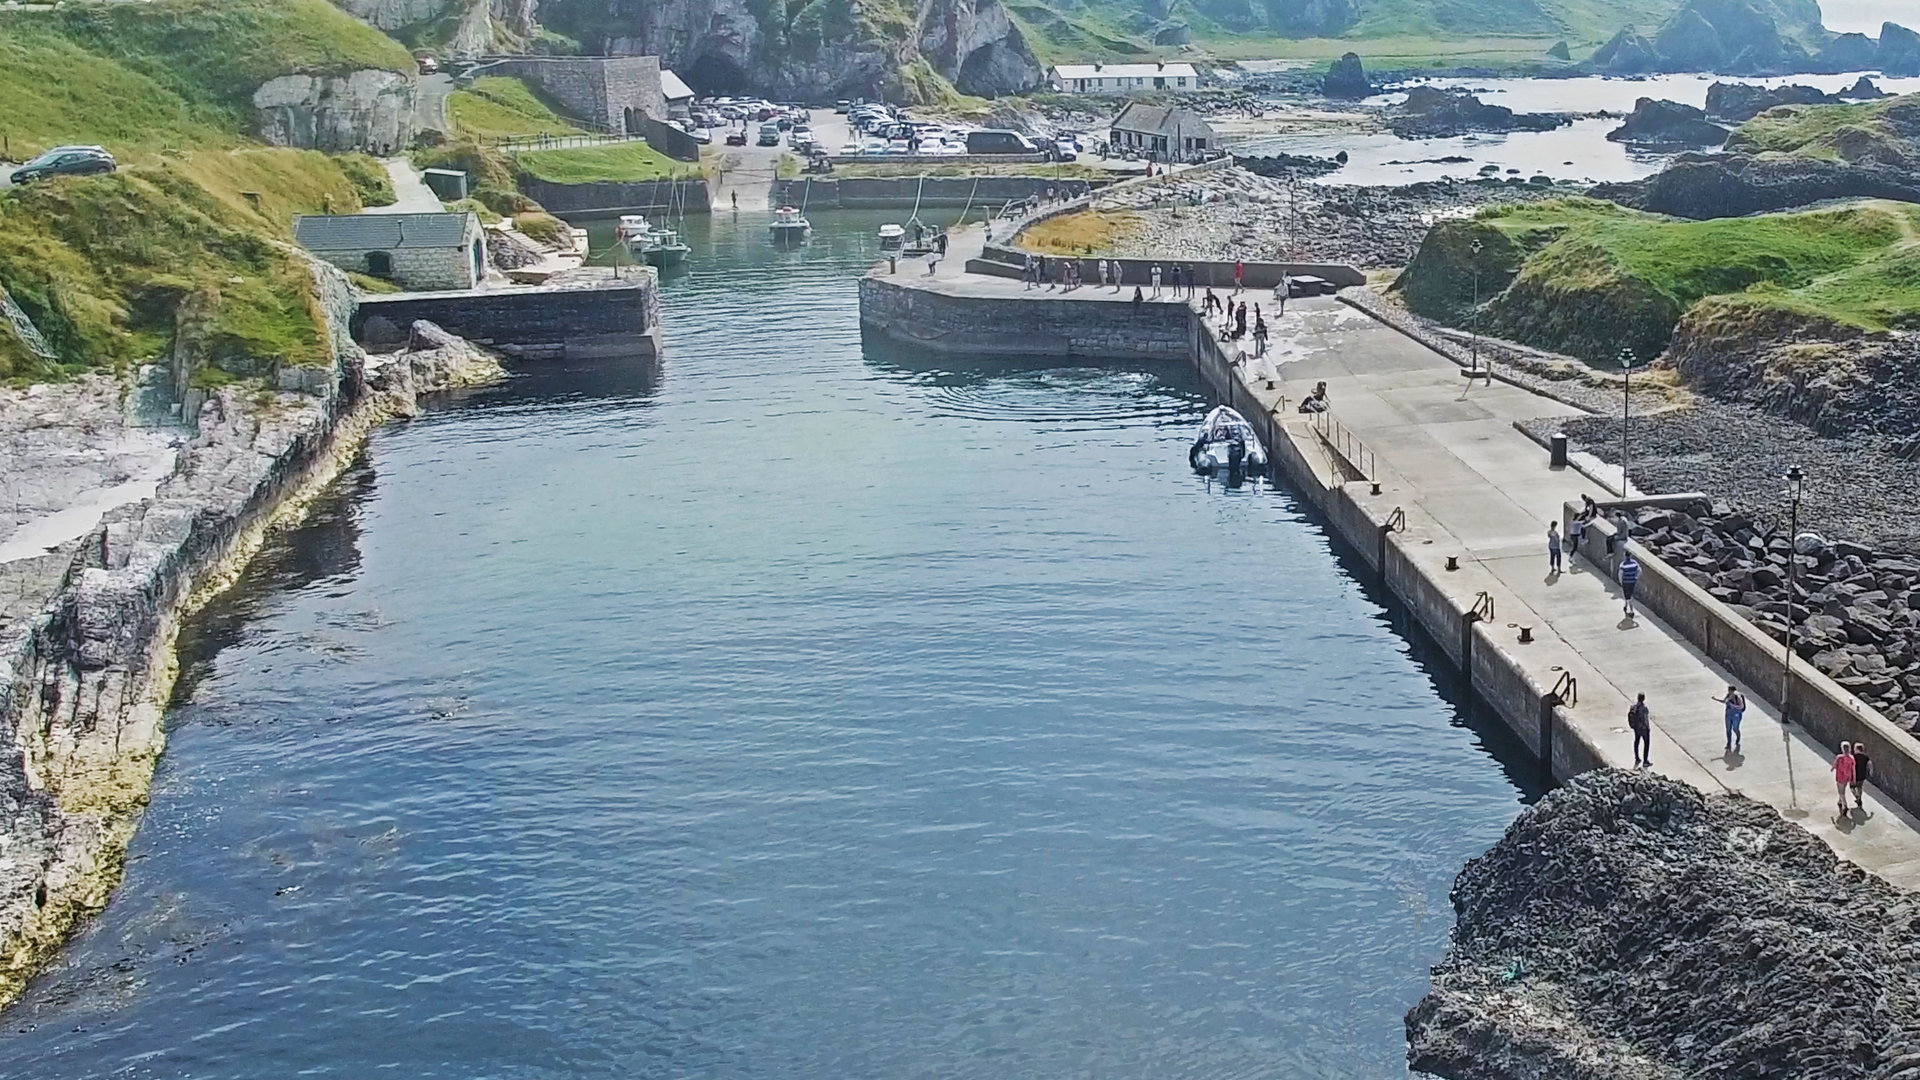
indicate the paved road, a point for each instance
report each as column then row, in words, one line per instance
column 415, row 197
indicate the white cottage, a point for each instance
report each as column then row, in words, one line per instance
column 418, row 252
column 1121, row 78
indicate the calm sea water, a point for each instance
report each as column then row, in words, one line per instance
column 1578, row 152
column 787, row 711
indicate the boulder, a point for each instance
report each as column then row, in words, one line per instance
column 1429, row 112
column 1630, row 926
column 1667, row 123
column 1347, row 79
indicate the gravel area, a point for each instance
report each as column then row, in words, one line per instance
column 1232, row 213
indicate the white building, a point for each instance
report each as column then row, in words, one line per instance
column 677, row 95
column 1121, row 78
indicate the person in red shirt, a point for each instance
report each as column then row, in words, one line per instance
column 1239, row 271
column 1843, row 774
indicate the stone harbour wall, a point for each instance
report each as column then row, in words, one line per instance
column 592, row 314
column 1113, row 329
column 576, row 201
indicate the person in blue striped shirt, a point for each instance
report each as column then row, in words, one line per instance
column 1629, row 577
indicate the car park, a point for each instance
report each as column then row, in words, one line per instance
column 769, row 134
column 737, row 137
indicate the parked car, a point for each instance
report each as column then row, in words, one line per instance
column 1064, row 150
column 66, row 161
column 769, row 134
column 737, row 137
column 427, row 64
column 843, row 106
column 999, row 142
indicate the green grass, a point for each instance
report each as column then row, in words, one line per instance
column 1587, row 278
column 614, row 162
column 1870, row 132
column 114, row 269
column 495, row 107
column 168, row 73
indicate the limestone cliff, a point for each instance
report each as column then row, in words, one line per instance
column 364, row 110
column 457, row 28
column 813, row 50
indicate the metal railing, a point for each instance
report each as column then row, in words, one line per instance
column 1397, row 521
column 558, row 141
column 1345, row 444
column 1567, row 689
column 1482, row 607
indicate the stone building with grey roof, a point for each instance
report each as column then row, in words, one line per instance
column 1162, row 133
column 418, row 252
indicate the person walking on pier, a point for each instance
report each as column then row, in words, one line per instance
column 1044, row 276
column 1155, row 275
column 1103, row 273
column 1553, row 547
column 1240, row 323
column 1239, row 276
column 1259, row 333
column 1862, row 772
column 1640, row 719
column 1736, row 704
column 1029, row 273
column 1844, row 774
column 1629, row 578
column 1209, row 304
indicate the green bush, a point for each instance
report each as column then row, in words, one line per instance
column 369, row 179
column 543, row 227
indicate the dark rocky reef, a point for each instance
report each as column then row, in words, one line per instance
column 1668, row 123
column 1433, row 113
column 1730, row 185
column 1739, row 102
column 1291, row 166
column 1347, row 78
column 1631, row 928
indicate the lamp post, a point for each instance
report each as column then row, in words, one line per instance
column 1476, row 312
column 1795, row 481
column 1626, row 412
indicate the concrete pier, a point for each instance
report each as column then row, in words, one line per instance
column 1424, row 475
column 587, row 312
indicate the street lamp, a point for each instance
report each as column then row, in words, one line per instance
column 1626, row 411
column 1795, row 481
column 1476, row 312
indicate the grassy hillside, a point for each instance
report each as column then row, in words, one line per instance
column 1389, row 31
column 1587, row 277
column 591, row 164
column 167, row 73
column 111, row 268
column 1878, row 132
column 495, row 106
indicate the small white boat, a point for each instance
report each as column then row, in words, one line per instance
column 1227, row 442
column 892, row 236
column 632, row 231
column 788, row 225
column 665, row 248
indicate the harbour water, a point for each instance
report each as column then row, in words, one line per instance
column 789, row 710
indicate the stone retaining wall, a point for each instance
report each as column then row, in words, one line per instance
column 903, row 191
column 1812, row 700
column 1007, row 262
column 615, row 318
column 574, row 201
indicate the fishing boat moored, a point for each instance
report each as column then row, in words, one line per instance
column 788, row 226
column 892, row 236
column 632, row 232
column 665, row 248
column 1226, row 442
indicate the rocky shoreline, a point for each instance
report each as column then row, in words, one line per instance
column 86, row 646
column 1630, row 927
column 1234, row 213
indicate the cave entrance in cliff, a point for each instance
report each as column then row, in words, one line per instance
column 712, row 74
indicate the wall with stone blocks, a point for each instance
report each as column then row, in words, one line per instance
column 612, row 319
column 1064, row 328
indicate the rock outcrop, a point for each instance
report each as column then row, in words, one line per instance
column 1432, row 113
column 367, row 110
column 1733, row 184
column 1739, row 102
column 814, row 50
column 1899, row 53
column 1734, row 37
column 1667, row 123
column 1347, row 78
column 1862, row 89
column 1628, row 927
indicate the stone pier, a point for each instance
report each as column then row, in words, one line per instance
column 1426, row 478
